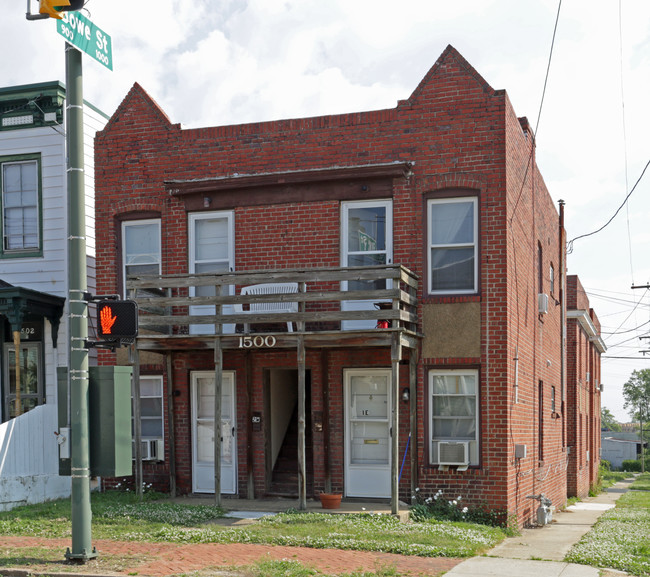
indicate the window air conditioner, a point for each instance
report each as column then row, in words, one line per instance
column 453, row 453
column 542, row 303
column 151, row 449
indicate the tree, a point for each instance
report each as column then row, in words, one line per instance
column 608, row 421
column 637, row 401
column 636, row 393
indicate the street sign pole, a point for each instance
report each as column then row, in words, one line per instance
column 81, row 514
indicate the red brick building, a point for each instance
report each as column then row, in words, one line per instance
column 584, row 348
column 418, row 260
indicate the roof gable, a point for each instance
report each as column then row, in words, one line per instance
column 138, row 105
column 450, row 62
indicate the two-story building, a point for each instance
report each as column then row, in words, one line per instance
column 367, row 303
column 33, row 272
column 584, row 349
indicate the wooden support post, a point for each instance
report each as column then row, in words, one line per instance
column 218, row 386
column 19, row 404
column 302, row 466
column 396, row 353
column 137, row 421
column 250, row 454
column 413, row 387
column 170, row 421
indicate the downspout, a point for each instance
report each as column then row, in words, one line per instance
column 562, row 250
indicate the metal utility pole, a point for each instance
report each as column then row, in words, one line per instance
column 82, row 549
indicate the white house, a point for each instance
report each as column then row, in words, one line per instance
column 34, row 265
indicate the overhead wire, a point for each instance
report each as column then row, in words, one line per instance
column 570, row 243
column 625, row 160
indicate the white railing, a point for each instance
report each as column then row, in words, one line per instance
column 29, row 459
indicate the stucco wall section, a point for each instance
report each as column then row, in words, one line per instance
column 451, row 330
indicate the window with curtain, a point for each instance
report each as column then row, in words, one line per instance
column 141, row 253
column 21, row 210
column 151, row 407
column 453, row 402
column 452, row 254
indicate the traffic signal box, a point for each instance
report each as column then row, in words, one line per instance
column 117, row 319
column 109, row 417
column 53, row 7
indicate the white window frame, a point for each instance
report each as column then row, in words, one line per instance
column 346, row 207
column 158, row 379
column 193, row 218
column 431, row 247
column 154, row 259
column 8, row 399
column 37, row 246
column 474, row 443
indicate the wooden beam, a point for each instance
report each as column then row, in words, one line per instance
column 170, row 423
column 302, row 462
column 396, row 353
column 413, row 414
column 218, row 386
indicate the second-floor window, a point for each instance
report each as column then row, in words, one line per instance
column 21, row 211
column 140, row 248
column 453, row 258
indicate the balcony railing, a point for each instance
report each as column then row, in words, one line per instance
column 345, row 305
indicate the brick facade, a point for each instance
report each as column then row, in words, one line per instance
column 462, row 139
column 584, row 348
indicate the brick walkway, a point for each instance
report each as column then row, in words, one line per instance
column 167, row 559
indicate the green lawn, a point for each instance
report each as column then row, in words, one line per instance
column 621, row 538
column 120, row 516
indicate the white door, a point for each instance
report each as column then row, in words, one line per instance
column 211, row 251
column 366, row 239
column 203, row 387
column 367, row 432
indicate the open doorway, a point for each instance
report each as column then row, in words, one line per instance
column 281, row 399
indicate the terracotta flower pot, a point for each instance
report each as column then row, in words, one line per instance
column 330, row 501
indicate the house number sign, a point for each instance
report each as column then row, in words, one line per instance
column 256, row 342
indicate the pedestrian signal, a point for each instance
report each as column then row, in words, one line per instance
column 117, row 319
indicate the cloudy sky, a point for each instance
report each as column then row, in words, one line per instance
column 214, row 62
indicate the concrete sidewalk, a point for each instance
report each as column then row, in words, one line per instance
column 541, row 551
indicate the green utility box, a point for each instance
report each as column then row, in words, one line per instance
column 109, row 411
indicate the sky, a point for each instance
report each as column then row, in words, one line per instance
column 219, row 62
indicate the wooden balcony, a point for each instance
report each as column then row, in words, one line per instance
column 172, row 318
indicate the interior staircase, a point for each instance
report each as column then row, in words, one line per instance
column 284, row 479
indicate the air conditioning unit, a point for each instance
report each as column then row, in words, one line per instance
column 453, row 453
column 151, row 449
column 542, row 303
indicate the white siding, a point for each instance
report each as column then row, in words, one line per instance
column 26, row 474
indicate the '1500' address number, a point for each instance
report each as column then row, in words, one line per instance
column 256, row 342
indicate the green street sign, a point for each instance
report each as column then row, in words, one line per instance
column 82, row 33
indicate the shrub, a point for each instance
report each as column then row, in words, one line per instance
column 443, row 509
column 631, row 465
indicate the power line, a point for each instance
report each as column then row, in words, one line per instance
column 570, row 243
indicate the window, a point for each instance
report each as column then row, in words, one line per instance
column 31, row 386
column 151, row 407
column 552, row 279
column 140, row 248
column 553, row 407
column 453, row 406
column 366, row 240
column 21, row 210
column 212, row 250
column 452, row 253
column 540, row 421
